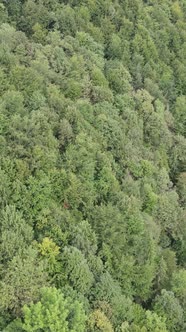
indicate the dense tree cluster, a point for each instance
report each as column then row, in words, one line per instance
column 93, row 166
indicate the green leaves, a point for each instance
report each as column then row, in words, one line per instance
column 21, row 282
column 92, row 167
column 118, row 76
column 76, row 269
column 53, row 312
column 168, row 306
column 179, row 112
column 15, row 234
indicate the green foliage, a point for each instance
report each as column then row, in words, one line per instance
column 179, row 114
column 76, row 269
column 99, row 322
column 167, row 305
column 53, row 312
column 92, row 167
column 181, row 187
column 21, row 282
column 118, row 77
column 179, row 285
column 15, row 234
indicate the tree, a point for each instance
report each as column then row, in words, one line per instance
column 76, row 269
column 15, row 234
column 178, row 283
column 3, row 13
column 168, row 306
column 53, row 312
column 181, row 187
column 21, row 281
column 118, row 77
column 99, row 322
column 84, row 238
column 50, row 251
column 150, row 322
column 179, row 112
column 168, row 212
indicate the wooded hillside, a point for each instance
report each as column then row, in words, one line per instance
column 93, row 166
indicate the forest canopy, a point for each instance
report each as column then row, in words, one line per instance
column 92, row 166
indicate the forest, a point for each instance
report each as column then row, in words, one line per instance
column 93, row 165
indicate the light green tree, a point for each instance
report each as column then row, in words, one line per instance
column 53, row 313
